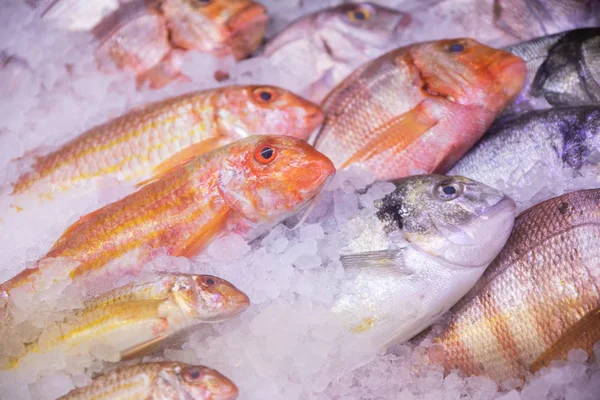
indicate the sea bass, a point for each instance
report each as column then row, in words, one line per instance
column 158, row 381
column 322, row 48
column 536, row 152
column 442, row 232
column 537, row 300
column 562, row 70
column 135, row 319
column 154, row 138
column 418, row 108
column 245, row 188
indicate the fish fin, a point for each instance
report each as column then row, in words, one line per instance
column 181, row 158
column 199, row 239
column 143, row 349
column 377, row 262
column 584, row 333
column 121, row 16
column 398, row 133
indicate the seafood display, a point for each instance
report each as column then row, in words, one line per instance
column 538, row 299
column 135, row 319
column 450, row 229
column 418, row 109
column 157, row 136
column 562, row 70
column 319, row 199
column 245, row 187
column 159, row 381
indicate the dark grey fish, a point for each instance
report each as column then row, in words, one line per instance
column 539, row 154
column 563, row 70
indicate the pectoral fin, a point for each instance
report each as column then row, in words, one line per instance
column 143, row 349
column 183, row 157
column 398, row 133
column 582, row 335
column 202, row 236
column 377, row 262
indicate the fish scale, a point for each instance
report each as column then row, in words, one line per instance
column 545, row 280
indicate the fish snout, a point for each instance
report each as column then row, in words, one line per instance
column 252, row 14
column 509, row 73
column 404, row 20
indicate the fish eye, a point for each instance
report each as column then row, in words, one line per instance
column 192, row 374
column 264, row 95
column 200, row 3
column 456, row 48
column 449, row 190
column 265, row 154
column 209, row 281
column 359, row 15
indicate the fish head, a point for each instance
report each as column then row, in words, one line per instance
column 364, row 22
column 208, row 298
column 269, row 178
column 251, row 110
column 186, row 381
column 222, row 27
column 467, row 72
column 456, row 219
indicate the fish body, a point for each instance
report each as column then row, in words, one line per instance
column 555, row 144
column 562, row 70
column 442, row 234
column 322, row 48
column 544, row 282
column 418, row 108
column 245, row 187
column 158, row 381
column 132, row 147
column 134, row 318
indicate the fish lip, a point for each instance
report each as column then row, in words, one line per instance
column 503, row 204
column 314, row 119
column 403, row 21
column 251, row 15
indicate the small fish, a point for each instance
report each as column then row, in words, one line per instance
column 246, row 188
column 546, row 143
column 442, row 232
column 135, row 319
column 562, row 70
column 418, row 108
column 322, row 48
column 538, row 299
column 158, row 381
column 152, row 139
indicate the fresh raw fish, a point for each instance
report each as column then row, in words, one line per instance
column 246, row 188
column 134, row 320
column 556, row 144
column 442, row 233
column 537, row 300
column 320, row 49
column 418, row 109
column 562, row 70
column 144, row 141
column 158, row 381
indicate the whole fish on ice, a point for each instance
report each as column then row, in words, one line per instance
column 245, row 187
column 317, row 51
column 430, row 241
column 135, row 319
column 537, row 300
column 562, row 70
column 152, row 139
column 158, row 381
column 538, row 150
column 418, row 109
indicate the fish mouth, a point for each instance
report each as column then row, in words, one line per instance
column 248, row 17
column 403, row 21
column 509, row 73
column 314, row 119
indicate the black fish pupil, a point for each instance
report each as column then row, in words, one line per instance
column 266, row 96
column 449, row 190
column 360, row 15
column 266, row 153
column 210, row 281
column 456, row 48
column 194, row 374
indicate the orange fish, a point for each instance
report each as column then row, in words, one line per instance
column 144, row 35
column 152, row 139
column 419, row 108
column 245, row 187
